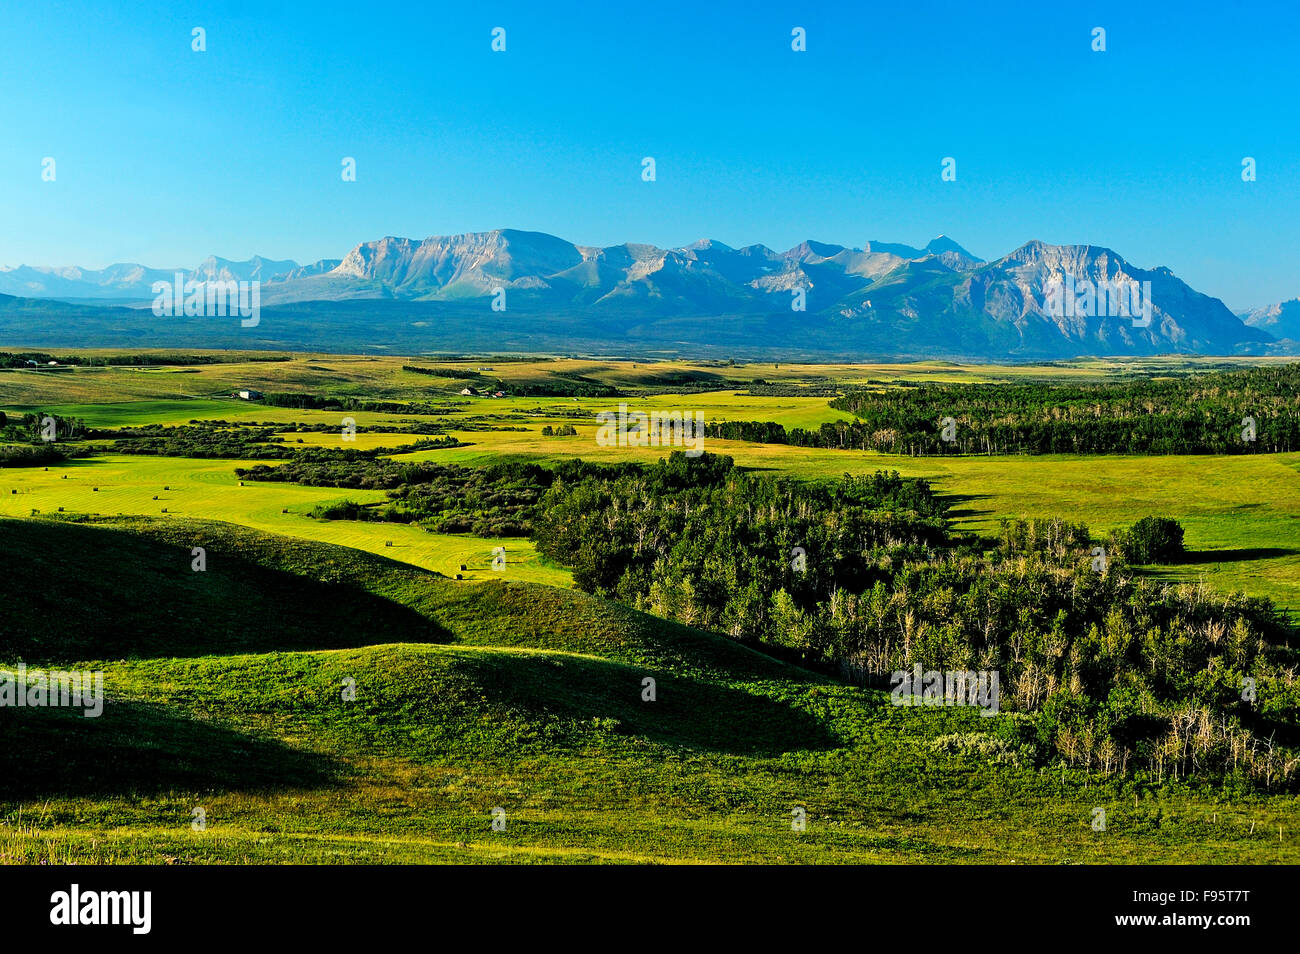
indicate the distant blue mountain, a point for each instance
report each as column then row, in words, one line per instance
column 816, row 299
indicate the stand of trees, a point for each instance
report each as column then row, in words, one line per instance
column 209, row 440
column 1098, row 665
column 317, row 402
column 1117, row 672
column 31, row 455
column 1255, row 410
column 569, row 385
column 31, row 429
column 19, row 360
column 23, row 440
column 1152, row 540
column 1234, row 412
column 459, row 374
column 496, row 501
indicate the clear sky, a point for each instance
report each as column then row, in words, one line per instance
column 164, row 155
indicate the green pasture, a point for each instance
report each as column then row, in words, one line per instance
column 509, row 689
column 511, row 696
column 1239, row 512
column 209, row 490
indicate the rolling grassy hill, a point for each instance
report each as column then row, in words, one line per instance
column 225, row 693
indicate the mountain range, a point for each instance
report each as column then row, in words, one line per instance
column 815, row 299
column 1281, row 320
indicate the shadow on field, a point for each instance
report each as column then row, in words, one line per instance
column 75, row 592
column 955, row 502
column 138, row 749
column 686, row 712
column 728, row 720
column 1194, row 557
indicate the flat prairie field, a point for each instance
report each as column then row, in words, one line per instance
column 1241, row 513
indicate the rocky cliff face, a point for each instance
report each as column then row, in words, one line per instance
column 885, row 299
column 1282, row 320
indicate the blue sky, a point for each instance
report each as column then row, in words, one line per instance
column 164, row 155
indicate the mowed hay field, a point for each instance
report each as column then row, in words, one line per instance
column 208, row 489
